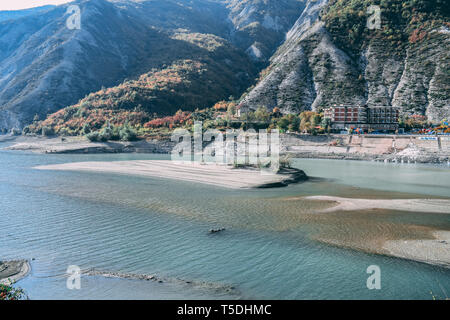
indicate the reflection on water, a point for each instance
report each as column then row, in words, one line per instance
column 137, row 225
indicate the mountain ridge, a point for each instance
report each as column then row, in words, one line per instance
column 311, row 53
column 45, row 67
column 322, row 64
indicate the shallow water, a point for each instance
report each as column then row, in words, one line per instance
column 272, row 248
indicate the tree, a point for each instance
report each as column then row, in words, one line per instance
column 231, row 109
column 276, row 112
column 326, row 124
column 309, row 121
column 86, row 128
column 261, row 114
column 127, row 133
column 283, row 123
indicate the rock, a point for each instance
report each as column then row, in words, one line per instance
column 212, row 231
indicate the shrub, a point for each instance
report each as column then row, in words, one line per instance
column 47, row 131
column 86, row 129
column 10, row 293
column 64, row 132
column 127, row 134
column 115, row 133
column 93, row 136
column 26, row 130
column 106, row 133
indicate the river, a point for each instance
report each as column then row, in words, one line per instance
column 273, row 248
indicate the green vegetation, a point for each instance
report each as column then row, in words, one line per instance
column 224, row 116
column 204, row 76
column 402, row 22
column 114, row 133
column 414, row 122
column 99, row 123
column 8, row 292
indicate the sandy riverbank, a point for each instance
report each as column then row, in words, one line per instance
column 13, row 271
column 434, row 251
column 59, row 145
column 414, row 205
column 211, row 174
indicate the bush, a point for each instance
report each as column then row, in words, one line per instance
column 106, row 133
column 26, row 130
column 47, row 131
column 64, row 132
column 11, row 293
column 86, row 129
column 127, row 134
column 93, row 136
column 124, row 133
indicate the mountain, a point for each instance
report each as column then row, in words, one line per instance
column 260, row 26
column 331, row 57
column 211, row 69
column 16, row 14
column 45, row 67
column 140, row 58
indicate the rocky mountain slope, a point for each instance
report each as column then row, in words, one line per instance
column 331, row 57
column 159, row 56
column 259, row 26
column 44, row 66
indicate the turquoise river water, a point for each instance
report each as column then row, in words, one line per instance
column 273, row 248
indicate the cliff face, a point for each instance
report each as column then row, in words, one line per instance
column 259, row 26
column 307, row 70
column 318, row 65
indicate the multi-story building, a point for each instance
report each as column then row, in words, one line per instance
column 382, row 118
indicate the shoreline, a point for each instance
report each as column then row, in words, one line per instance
column 14, row 271
column 206, row 173
column 383, row 148
column 81, row 145
column 440, row 206
column 435, row 251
